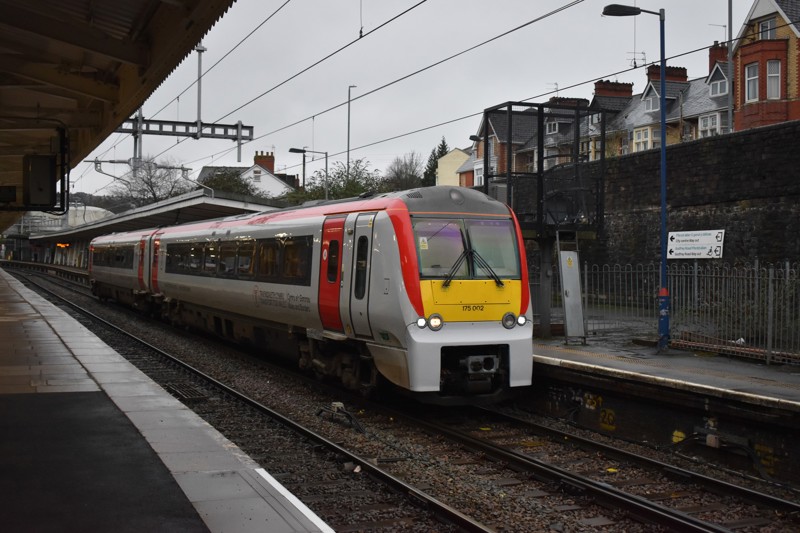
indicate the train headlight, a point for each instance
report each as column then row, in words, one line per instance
column 521, row 320
column 421, row 322
column 435, row 322
column 509, row 320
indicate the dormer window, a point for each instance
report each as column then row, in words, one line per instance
column 651, row 103
column 552, row 127
column 766, row 29
column 719, row 87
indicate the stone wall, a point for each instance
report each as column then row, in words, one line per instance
column 747, row 183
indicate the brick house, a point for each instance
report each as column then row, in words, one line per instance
column 261, row 174
column 767, row 65
column 766, row 85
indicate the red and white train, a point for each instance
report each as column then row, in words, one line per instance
column 427, row 288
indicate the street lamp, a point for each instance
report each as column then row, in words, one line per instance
column 348, row 130
column 304, row 151
column 617, row 10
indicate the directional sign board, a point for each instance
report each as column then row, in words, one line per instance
column 702, row 244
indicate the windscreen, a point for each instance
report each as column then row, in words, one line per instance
column 444, row 244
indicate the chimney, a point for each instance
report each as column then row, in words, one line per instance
column 717, row 54
column 673, row 73
column 569, row 101
column 613, row 88
column 265, row 160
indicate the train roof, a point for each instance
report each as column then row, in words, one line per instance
column 437, row 200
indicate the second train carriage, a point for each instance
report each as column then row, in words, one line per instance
column 427, row 288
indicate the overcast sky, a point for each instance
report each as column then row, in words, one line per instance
column 568, row 44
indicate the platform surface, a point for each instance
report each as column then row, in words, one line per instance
column 89, row 443
column 616, row 354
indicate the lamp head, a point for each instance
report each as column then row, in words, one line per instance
column 297, row 150
column 619, row 10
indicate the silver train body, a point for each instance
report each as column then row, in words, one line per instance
column 425, row 288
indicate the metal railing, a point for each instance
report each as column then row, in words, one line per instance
column 746, row 310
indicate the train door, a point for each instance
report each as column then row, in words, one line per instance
column 358, row 290
column 153, row 252
column 143, row 266
column 330, row 273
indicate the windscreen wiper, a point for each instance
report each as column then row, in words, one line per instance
column 478, row 260
column 481, row 262
column 455, row 267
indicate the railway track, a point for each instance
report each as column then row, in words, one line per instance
column 347, row 491
column 517, row 481
column 660, row 493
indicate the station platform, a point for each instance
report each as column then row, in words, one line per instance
column 89, row 443
column 616, row 355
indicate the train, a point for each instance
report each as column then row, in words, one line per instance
column 424, row 290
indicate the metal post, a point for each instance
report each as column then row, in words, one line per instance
column 304, row 152
column 730, row 67
column 617, row 10
column 326, row 175
column 199, row 49
column 347, row 175
column 663, row 293
column 303, row 185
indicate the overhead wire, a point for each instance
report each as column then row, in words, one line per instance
column 386, row 85
column 124, row 136
column 425, row 128
column 309, row 67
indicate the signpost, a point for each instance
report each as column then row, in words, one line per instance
column 702, row 244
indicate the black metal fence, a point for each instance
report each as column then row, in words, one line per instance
column 748, row 310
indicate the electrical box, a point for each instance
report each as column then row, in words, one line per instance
column 39, row 180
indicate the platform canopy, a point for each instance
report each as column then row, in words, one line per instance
column 71, row 71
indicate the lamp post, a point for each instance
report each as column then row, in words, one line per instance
column 617, row 10
column 347, row 175
column 304, row 151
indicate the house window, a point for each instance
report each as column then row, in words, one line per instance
column 478, row 174
column 656, row 136
column 766, row 29
column 257, row 176
column 687, row 134
column 641, row 139
column 773, row 80
column 708, row 125
column 751, row 82
column 651, row 103
column 552, row 127
column 719, row 87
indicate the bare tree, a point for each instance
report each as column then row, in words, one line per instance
column 405, row 172
column 149, row 182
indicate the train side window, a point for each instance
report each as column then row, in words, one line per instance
column 130, row 252
column 268, row 260
column 227, row 259
column 333, row 261
column 362, row 253
column 244, row 262
column 179, row 259
column 210, row 258
column 297, row 261
column 99, row 257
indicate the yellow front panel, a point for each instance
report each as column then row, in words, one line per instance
column 471, row 300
